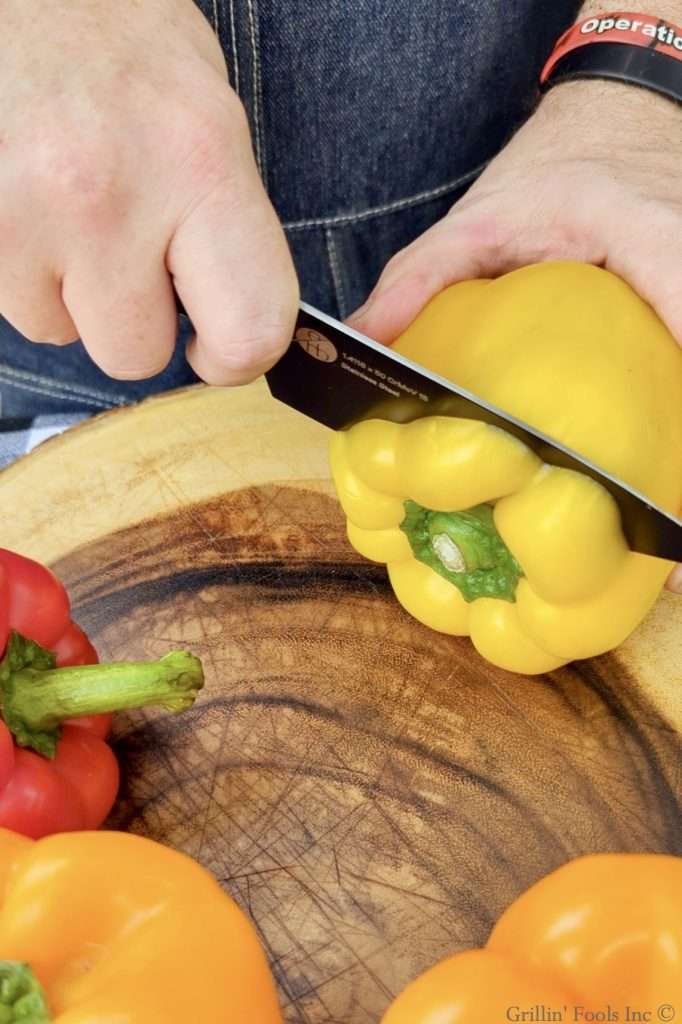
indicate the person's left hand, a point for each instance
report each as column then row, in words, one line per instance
column 595, row 175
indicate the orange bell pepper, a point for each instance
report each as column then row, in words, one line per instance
column 110, row 928
column 600, row 939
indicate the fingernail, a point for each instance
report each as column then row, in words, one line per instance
column 675, row 580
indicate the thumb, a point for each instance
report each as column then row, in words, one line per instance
column 654, row 273
column 457, row 248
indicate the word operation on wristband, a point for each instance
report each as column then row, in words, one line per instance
column 638, row 48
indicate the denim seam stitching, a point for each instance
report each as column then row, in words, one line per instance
column 257, row 89
column 380, row 211
column 335, row 267
column 57, row 389
column 235, row 55
column 21, row 375
column 34, row 389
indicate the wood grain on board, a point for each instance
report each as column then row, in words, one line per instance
column 372, row 792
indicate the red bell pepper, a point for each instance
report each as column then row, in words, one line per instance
column 57, row 772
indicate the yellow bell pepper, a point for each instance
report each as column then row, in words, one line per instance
column 110, row 928
column 599, row 935
column 482, row 538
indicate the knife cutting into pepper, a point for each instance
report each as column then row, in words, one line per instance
column 515, row 458
column 339, row 377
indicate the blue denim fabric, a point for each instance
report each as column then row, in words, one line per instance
column 369, row 119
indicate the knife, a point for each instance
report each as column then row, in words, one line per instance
column 337, row 376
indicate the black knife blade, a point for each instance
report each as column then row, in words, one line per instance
column 337, row 376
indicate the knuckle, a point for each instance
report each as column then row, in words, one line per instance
column 256, row 349
column 488, row 232
column 212, row 146
column 81, row 175
column 207, row 166
column 268, row 346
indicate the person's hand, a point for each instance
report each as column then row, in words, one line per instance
column 595, row 175
column 126, row 166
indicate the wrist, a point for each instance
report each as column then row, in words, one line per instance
column 603, row 96
column 601, row 118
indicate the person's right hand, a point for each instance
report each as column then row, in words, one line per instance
column 126, row 167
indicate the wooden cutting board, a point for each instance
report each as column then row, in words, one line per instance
column 373, row 793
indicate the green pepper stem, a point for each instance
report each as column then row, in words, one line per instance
column 464, row 548
column 22, row 997
column 47, row 698
column 36, row 697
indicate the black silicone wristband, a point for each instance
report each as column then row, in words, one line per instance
column 638, row 65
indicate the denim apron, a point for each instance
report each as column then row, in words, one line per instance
column 369, row 119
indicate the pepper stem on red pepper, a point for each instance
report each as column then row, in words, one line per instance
column 22, row 998
column 37, row 697
column 465, row 548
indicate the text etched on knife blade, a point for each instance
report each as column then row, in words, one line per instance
column 378, row 379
